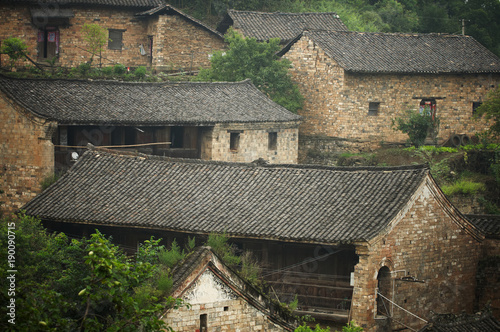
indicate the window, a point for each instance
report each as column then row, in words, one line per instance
column 475, row 105
column 373, row 108
column 115, row 39
column 272, row 140
column 234, row 141
column 177, row 137
column 48, row 43
column 203, row 323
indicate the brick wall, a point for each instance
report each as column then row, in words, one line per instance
column 177, row 43
column 426, row 243
column 254, row 143
column 337, row 102
column 26, row 155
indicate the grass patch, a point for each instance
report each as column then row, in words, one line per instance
column 464, row 188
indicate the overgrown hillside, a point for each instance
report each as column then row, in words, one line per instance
column 469, row 176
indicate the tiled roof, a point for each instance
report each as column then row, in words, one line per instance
column 275, row 202
column 480, row 322
column 405, row 53
column 168, row 8
column 114, row 3
column 111, row 102
column 489, row 224
column 286, row 26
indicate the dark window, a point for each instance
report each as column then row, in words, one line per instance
column 177, row 137
column 273, row 140
column 475, row 105
column 115, row 39
column 48, row 43
column 234, row 141
column 373, row 108
column 203, row 323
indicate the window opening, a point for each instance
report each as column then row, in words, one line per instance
column 273, row 140
column 234, row 141
column 48, row 43
column 384, row 288
column 428, row 105
column 373, row 108
column 115, row 39
column 203, row 323
column 226, row 308
column 177, row 137
column 475, row 105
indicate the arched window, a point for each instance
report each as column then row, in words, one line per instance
column 384, row 288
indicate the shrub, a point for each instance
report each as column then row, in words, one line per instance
column 15, row 48
column 417, row 125
column 119, row 69
column 219, row 244
column 305, row 328
column 108, row 71
column 83, row 68
column 171, row 257
column 140, row 72
column 463, row 187
column 352, row 327
column 48, row 180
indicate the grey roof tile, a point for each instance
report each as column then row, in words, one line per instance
column 489, row 224
column 286, row 26
column 121, row 103
column 277, row 202
column 405, row 53
column 66, row 3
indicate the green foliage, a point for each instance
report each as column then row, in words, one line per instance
column 48, row 180
column 463, row 187
column 352, row 327
column 86, row 284
column 171, row 257
column 96, row 37
column 140, row 72
column 305, row 328
column 248, row 58
column 416, row 125
column 490, row 109
column 15, row 48
column 219, row 244
column 119, row 69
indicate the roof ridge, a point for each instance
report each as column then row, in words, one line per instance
column 284, row 13
column 257, row 163
column 409, row 34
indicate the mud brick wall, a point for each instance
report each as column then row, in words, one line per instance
column 337, row 102
column 26, row 155
column 427, row 244
column 254, row 143
column 179, row 44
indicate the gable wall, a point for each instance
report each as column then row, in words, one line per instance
column 428, row 245
column 337, row 102
column 26, row 155
column 180, row 44
column 254, row 143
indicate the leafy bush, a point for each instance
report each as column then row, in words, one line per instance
column 48, row 180
column 305, row 328
column 463, row 187
column 140, row 72
column 171, row 257
column 219, row 244
column 15, row 48
column 83, row 68
column 352, row 327
column 416, row 125
column 108, row 71
column 119, row 69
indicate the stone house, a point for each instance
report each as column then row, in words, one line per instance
column 46, row 124
column 286, row 26
column 220, row 300
column 141, row 33
column 356, row 83
column 361, row 243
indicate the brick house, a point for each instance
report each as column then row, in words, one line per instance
column 220, row 300
column 286, row 26
column 141, row 32
column 336, row 237
column 355, row 83
column 45, row 122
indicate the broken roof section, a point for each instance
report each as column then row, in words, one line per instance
column 286, row 26
column 121, row 103
column 310, row 204
column 363, row 52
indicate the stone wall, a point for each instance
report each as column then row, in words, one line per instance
column 337, row 102
column 254, row 142
column 182, row 45
column 26, row 155
column 177, row 43
column 426, row 245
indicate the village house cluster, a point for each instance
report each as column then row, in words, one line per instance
column 382, row 246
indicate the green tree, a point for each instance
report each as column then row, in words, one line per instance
column 96, row 37
column 17, row 50
column 417, row 125
column 490, row 109
column 248, row 58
